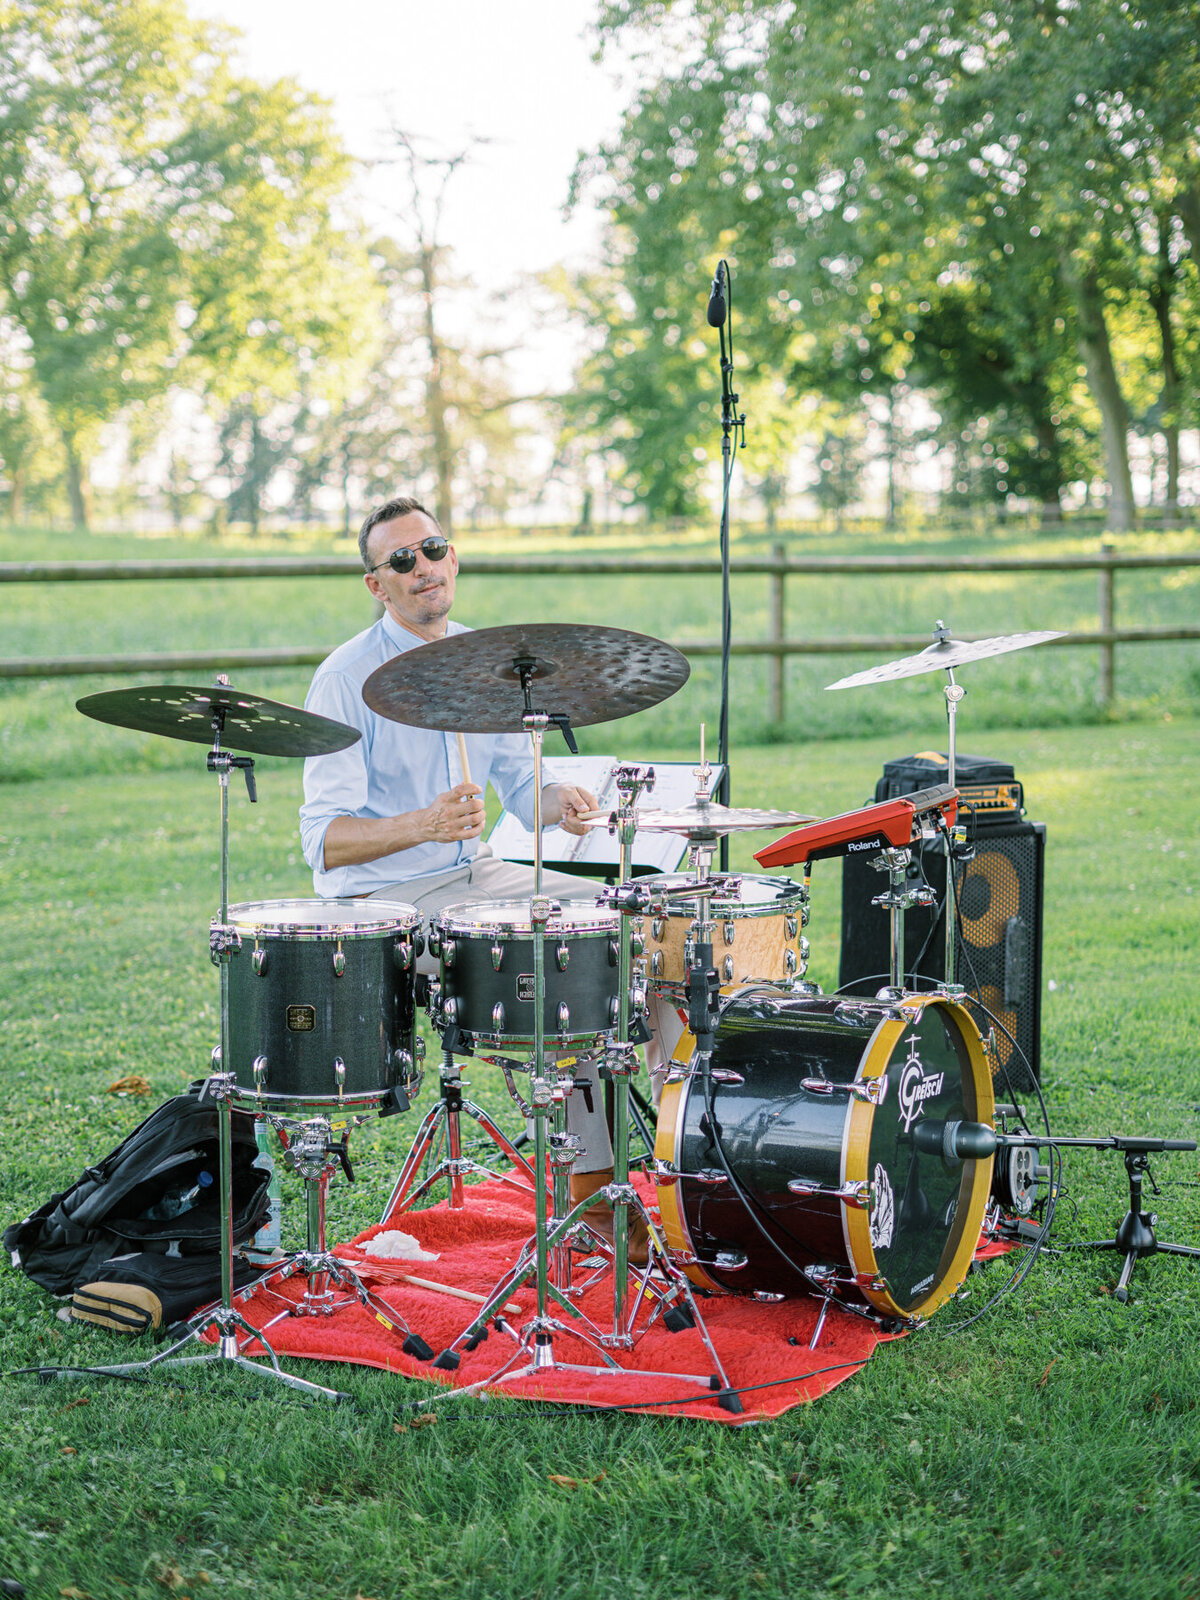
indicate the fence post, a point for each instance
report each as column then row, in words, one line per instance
column 1107, row 613
column 777, row 626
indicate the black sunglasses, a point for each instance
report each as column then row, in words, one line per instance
column 405, row 559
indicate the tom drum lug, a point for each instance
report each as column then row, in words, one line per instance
column 562, row 956
column 259, row 960
column 658, row 926
column 497, row 957
column 727, row 965
column 789, row 963
column 449, row 952
column 791, row 925
column 498, row 1017
column 564, row 1017
column 419, row 1048
column 259, row 1069
column 402, row 955
column 729, row 932
column 339, row 1074
column 656, row 964
column 339, row 962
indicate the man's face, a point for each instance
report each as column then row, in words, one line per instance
column 419, row 600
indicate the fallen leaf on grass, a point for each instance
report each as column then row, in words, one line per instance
column 564, row 1482
column 131, row 1084
column 71, row 1404
column 68, row 1450
column 170, row 1577
column 1041, row 1383
column 425, row 1420
column 399, row 1427
column 72, row 1593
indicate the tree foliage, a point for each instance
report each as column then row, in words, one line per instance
column 964, row 195
column 163, row 216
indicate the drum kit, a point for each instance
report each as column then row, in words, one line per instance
column 805, row 1143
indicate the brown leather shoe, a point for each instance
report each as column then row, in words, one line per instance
column 599, row 1218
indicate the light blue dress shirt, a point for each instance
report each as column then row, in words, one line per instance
column 395, row 768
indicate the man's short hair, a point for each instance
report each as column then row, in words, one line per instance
column 404, row 506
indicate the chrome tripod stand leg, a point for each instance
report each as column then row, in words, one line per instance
column 453, row 1165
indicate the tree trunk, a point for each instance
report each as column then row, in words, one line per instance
column 16, row 495
column 1160, row 298
column 76, row 485
column 443, row 453
column 1047, row 438
column 1105, row 386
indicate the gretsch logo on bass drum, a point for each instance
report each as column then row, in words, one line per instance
column 917, row 1086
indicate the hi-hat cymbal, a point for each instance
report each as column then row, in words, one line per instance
column 471, row 682
column 703, row 819
column 942, row 654
column 248, row 722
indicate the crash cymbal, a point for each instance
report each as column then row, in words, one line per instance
column 471, row 682
column 248, row 722
column 942, row 654
column 703, row 818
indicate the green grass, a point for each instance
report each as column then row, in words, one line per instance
column 1052, row 687
column 1051, row 1448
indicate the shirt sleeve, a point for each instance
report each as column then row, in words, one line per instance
column 335, row 785
column 511, row 774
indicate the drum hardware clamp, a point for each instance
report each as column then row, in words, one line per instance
column 858, row 1196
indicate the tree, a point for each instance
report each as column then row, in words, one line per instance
column 865, row 154
column 162, row 216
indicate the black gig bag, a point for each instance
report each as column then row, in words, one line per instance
column 103, row 1214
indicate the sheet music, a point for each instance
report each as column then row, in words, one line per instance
column 598, row 850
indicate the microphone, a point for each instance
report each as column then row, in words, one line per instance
column 955, row 1141
column 716, row 298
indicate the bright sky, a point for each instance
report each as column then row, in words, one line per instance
column 518, row 74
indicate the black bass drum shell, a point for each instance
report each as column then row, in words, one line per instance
column 906, row 1251
column 315, row 981
column 486, row 953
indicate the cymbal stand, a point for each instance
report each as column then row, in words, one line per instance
column 954, row 693
column 896, row 901
column 313, row 1156
column 220, row 1087
column 674, row 1302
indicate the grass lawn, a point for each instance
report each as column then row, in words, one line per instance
column 1051, row 1448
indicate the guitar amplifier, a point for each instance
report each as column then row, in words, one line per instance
column 988, row 791
column 998, row 946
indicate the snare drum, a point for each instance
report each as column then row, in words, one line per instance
column 815, row 1123
column 756, row 934
column 486, row 956
column 321, row 1001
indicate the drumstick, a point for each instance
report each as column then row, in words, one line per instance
column 591, row 816
column 459, row 1294
column 462, row 757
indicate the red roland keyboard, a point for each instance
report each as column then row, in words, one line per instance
column 895, row 823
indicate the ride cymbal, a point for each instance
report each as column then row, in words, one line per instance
column 247, row 721
column 471, row 682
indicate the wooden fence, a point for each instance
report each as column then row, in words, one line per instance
column 778, row 567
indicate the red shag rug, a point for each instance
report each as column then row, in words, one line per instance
column 762, row 1347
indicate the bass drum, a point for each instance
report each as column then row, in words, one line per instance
column 828, row 1187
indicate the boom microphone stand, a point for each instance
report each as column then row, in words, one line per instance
column 733, row 436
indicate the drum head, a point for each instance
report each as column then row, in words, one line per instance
column 757, row 893
column 317, row 918
column 926, row 1213
column 512, row 917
